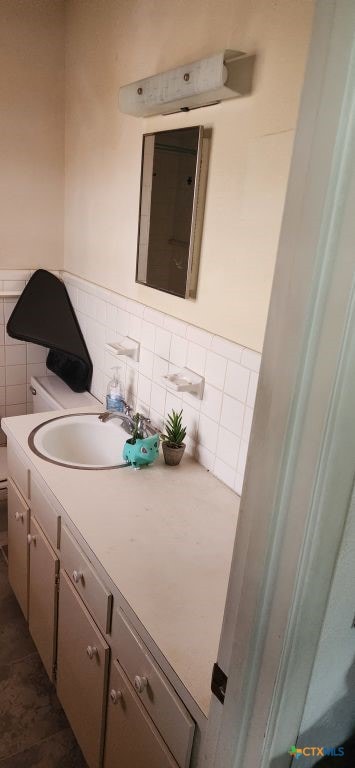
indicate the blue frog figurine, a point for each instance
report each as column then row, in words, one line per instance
column 141, row 451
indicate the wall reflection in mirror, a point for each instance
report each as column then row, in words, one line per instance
column 173, row 181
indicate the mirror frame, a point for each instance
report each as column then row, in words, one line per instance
column 198, row 207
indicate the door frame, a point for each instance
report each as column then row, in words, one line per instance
column 300, row 465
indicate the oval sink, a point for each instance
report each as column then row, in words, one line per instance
column 80, row 441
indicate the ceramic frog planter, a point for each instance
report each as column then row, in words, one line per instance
column 141, row 451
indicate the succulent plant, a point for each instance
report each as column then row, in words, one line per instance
column 137, row 433
column 175, row 433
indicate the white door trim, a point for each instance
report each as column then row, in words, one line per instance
column 304, row 391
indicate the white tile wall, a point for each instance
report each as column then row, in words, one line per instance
column 218, row 426
column 18, row 361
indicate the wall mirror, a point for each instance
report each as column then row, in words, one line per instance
column 173, row 184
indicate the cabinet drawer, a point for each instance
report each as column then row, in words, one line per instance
column 45, row 514
column 154, row 690
column 19, row 471
column 131, row 738
column 83, row 577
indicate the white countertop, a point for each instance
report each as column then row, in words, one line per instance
column 165, row 536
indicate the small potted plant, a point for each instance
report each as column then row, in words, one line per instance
column 140, row 450
column 173, row 439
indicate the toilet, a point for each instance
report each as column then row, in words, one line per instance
column 49, row 393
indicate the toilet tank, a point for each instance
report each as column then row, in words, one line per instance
column 49, row 393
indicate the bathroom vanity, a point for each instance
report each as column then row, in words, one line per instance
column 122, row 575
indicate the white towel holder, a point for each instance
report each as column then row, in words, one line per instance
column 124, row 346
column 185, row 381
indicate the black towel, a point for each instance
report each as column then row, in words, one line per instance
column 44, row 315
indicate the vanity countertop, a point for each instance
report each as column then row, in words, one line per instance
column 165, row 536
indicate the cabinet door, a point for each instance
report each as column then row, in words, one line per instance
column 82, row 666
column 45, row 514
column 131, row 736
column 44, row 567
column 18, row 529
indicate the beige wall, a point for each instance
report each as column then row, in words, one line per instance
column 31, row 133
column 112, row 42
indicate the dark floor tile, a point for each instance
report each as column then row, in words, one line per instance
column 29, row 708
column 58, row 751
column 15, row 639
column 34, row 731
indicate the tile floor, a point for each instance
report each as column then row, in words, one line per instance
column 34, row 732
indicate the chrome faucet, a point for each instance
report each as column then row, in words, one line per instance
column 126, row 419
column 144, row 425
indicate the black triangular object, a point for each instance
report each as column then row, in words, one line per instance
column 44, row 315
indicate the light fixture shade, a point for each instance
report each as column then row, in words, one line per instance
column 204, row 82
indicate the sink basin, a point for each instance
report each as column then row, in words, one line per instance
column 80, row 441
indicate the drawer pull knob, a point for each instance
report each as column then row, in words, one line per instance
column 115, row 696
column 18, row 515
column 77, row 576
column 31, row 538
column 140, row 683
column 92, row 651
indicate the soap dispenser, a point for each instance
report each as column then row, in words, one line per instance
column 114, row 399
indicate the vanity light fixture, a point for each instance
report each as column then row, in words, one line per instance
column 225, row 75
column 185, row 381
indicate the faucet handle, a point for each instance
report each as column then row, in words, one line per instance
column 145, row 425
column 127, row 409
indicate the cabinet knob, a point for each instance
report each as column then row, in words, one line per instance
column 31, row 538
column 77, row 576
column 18, row 515
column 140, row 683
column 92, row 651
column 115, row 695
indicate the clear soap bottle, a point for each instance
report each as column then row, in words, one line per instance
column 114, row 398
